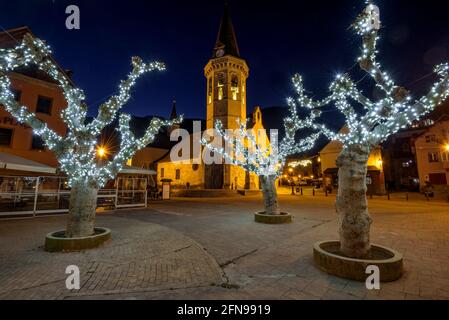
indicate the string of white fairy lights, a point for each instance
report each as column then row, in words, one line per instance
column 76, row 151
column 396, row 110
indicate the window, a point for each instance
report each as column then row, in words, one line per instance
column 44, row 105
column 445, row 156
column 220, row 86
column 430, row 138
column 195, row 166
column 209, row 88
column 178, row 174
column 37, row 143
column 234, row 86
column 433, row 156
column 5, row 137
column 17, row 94
column 162, row 172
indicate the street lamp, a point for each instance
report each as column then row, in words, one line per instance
column 101, row 152
column 380, row 163
column 290, row 172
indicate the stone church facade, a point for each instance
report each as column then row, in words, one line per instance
column 226, row 74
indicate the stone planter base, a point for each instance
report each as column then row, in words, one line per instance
column 284, row 217
column 328, row 258
column 56, row 241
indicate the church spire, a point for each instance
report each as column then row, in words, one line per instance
column 173, row 114
column 226, row 43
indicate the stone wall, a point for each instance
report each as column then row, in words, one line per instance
column 190, row 175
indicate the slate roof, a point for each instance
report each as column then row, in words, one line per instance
column 226, row 38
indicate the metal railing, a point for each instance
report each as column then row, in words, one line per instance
column 46, row 195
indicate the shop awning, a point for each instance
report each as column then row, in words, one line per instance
column 12, row 162
column 135, row 170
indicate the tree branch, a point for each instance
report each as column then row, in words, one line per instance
column 53, row 141
column 35, row 51
column 108, row 110
column 129, row 144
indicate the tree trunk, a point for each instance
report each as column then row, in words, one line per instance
column 83, row 203
column 351, row 203
column 270, row 197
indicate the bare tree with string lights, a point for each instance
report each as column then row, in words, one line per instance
column 76, row 152
column 395, row 110
column 266, row 159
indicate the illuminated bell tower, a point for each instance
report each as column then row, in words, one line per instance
column 226, row 74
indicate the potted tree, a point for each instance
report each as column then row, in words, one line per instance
column 255, row 154
column 366, row 129
column 76, row 151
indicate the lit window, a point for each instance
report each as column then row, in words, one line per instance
column 430, row 138
column 433, row 156
column 209, row 93
column 234, row 87
column 445, row 156
column 220, row 86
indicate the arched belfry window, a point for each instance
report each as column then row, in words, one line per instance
column 209, row 90
column 220, row 85
column 234, row 86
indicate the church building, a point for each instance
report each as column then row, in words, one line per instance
column 226, row 74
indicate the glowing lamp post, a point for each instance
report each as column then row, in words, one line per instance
column 290, row 173
column 101, row 152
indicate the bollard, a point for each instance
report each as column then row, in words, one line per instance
column 313, row 192
column 406, row 196
column 388, row 196
column 371, row 196
column 302, row 193
column 325, row 192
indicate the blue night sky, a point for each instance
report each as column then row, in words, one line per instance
column 277, row 38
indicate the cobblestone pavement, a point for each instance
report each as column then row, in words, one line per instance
column 253, row 261
column 141, row 257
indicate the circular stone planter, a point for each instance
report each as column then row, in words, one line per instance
column 328, row 258
column 56, row 241
column 284, row 217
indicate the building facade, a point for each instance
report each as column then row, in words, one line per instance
column 40, row 95
column 432, row 154
column 375, row 175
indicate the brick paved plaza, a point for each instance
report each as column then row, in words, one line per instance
column 212, row 249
